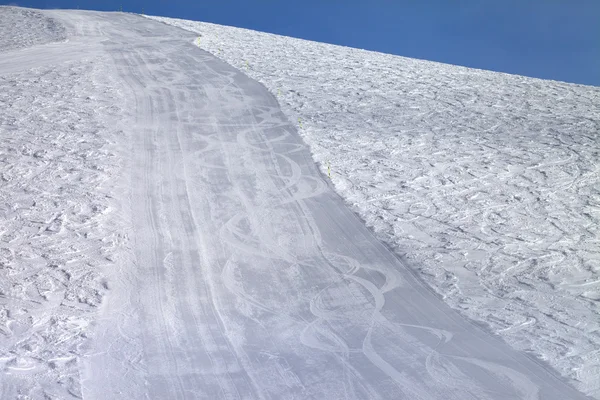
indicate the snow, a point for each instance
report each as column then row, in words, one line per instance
column 39, row 28
column 165, row 232
column 57, row 225
column 488, row 184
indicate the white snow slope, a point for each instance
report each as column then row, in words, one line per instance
column 487, row 183
column 165, row 233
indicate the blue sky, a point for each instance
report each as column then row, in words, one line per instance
column 549, row 39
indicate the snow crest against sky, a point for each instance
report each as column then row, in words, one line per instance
column 549, row 39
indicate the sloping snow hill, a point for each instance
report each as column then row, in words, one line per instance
column 166, row 234
column 21, row 28
column 487, row 183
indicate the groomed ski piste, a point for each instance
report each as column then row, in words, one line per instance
column 212, row 212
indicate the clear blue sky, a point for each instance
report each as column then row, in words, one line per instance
column 551, row 39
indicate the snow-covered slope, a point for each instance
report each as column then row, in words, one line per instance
column 21, row 27
column 164, row 232
column 487, row 183
column 58, row 230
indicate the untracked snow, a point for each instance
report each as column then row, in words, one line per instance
column 487, row 183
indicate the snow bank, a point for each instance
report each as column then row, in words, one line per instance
column 22, row 27
column 58, row 228
column 487, row 183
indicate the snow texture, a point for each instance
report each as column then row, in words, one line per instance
column 22, row 27
column 57, row 225
column 165, row 233
column 487, row 183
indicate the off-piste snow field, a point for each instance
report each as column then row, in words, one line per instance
column 217, row 213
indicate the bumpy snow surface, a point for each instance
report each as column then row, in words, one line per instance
column 56, row 234
column 20, row 28
column 165, row 234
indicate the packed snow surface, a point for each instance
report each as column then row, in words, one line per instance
column 166, row 234
column 487, row 183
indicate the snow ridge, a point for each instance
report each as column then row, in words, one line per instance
column 488, row 183
column 40, row 28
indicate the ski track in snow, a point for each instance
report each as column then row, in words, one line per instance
column 166, row 234
column 487, row 183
